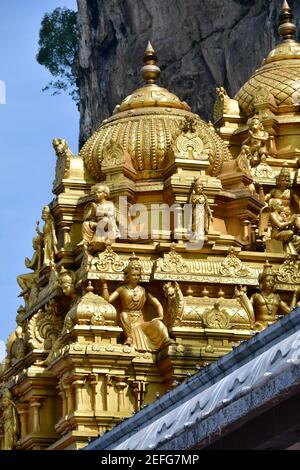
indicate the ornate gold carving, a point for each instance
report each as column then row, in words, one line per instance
column 189, row 144
column 232, row 266
column 113, row 154
column 263, row 171
column 289, row 271
column 108, row 261
column 44, row 327
column 172, row 262
column 173, row 267
column 224, row 105
column 90, row 309
column 176, row 303
column 216, row 317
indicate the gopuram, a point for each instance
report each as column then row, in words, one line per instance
column 169, row 241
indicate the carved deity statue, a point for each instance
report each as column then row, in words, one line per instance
column 284, row 193
column 201, row 213
column 142, row 334
column 264, row 306
column 99, row 218
column 67, row 284
column 284, row 224
column 256, row 141
column 48, row 237
column 27, row 280
column 10, row 421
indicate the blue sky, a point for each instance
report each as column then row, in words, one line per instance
column 29, row 121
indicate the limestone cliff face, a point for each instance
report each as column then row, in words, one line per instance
column 201, row 44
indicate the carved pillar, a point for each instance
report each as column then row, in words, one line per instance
column 120, row 385
column 66, row 235
column 35, row 406
column 23, row 414
column 69, row 398
column 62, row 395
column 179, row 230
column 246, row 224
column 78, row 386
column 138, row 389
column 95, row 395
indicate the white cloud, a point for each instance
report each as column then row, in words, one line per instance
column 2, row 350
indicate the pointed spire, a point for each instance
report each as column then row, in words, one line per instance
column 150, row 71
column 286, row 26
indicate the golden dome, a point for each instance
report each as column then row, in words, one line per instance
column 145, row 125
column 151, row 94
column 280, row 72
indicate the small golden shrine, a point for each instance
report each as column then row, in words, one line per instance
column 168, row 242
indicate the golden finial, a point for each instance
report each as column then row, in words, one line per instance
column 150, row 71
column 286, row 26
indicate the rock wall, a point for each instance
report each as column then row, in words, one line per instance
column 201, row 44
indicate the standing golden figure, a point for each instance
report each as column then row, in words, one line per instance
column 10, row 421
column 143, row 335
column 99, row 218
column 202, row 217
column 48, row 237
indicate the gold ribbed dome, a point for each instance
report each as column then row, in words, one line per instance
column 145, row 124
column 280, row 72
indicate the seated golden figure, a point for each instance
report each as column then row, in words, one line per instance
column 284, row 224
column 143, row 335
column 284, row 193
column 99, row 218
column 264, row 306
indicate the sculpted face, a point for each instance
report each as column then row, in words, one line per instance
column 45, row 214
column 255, row 124
column 268, row 282
column 133, row 276
column 284, row 181
column 198, row 188
column 67, row 286
column 99, row 195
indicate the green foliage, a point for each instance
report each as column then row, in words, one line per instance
column 58, row 50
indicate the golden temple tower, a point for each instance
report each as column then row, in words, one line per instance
column 168, row 242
